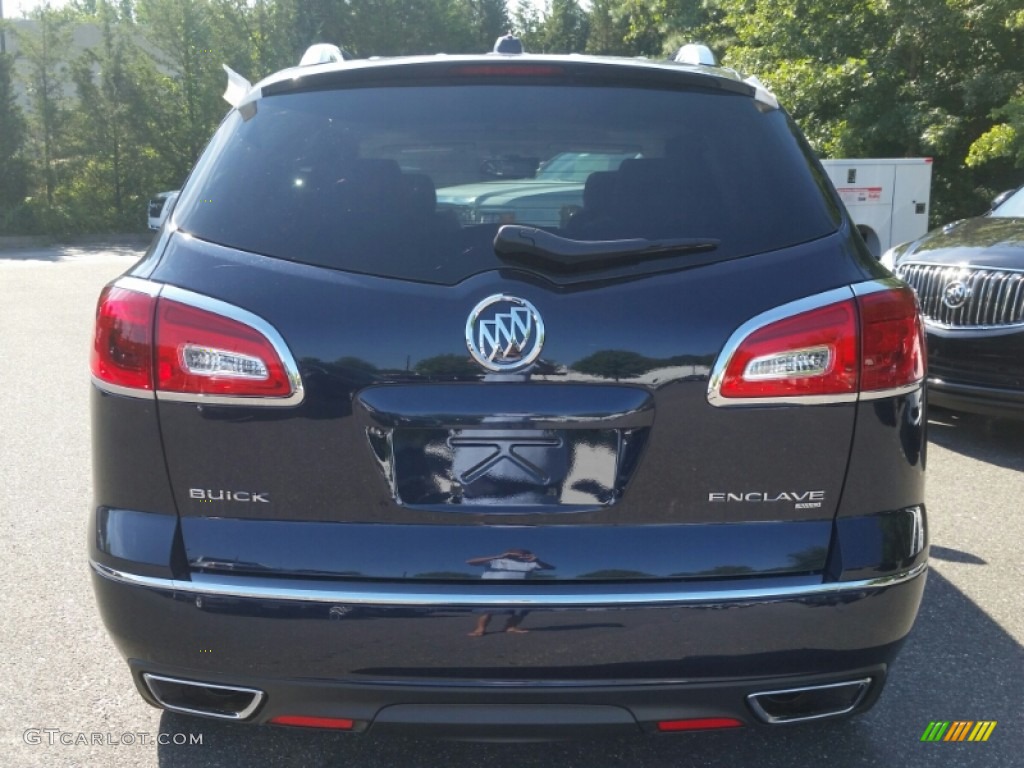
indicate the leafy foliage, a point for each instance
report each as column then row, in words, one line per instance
column 890, row 78
column 13, row 165
column 103, row 130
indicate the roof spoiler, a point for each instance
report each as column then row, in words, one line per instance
column 238, row 87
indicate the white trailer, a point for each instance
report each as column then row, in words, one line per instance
column 888, row 199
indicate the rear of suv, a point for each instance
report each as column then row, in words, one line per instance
column 364, row 463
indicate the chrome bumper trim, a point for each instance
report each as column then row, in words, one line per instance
column 493, row 596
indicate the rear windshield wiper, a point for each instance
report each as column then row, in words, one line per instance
column 533, row 246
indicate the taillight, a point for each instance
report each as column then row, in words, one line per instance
column 184, row 346
column 204, row 353
column 812, row 353
column 892, row 340
column 832, row 348
column 122, row 343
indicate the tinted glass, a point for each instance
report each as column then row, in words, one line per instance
column 413, row 182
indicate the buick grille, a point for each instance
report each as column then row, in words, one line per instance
column 966, row 297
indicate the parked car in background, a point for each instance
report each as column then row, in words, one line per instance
column 369, row 464
column 159, row 206
column 544, row 194
column 969, row 277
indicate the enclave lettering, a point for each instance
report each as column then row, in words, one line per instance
column 767, row 497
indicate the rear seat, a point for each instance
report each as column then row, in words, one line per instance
column 646, row 197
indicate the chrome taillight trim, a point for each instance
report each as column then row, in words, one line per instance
column 876, row 286
column 881, row 394
column 489, row 596
column 117, row 389
column 782, row 312
column 232, row 312
column 138, row 285
column 928, row 278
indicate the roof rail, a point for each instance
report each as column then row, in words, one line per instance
column 696, row 54
column 322, row 53
column 508, row 44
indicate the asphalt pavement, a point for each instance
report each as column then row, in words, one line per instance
column 66, row 698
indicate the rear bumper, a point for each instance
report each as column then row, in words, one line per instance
column 592, row 660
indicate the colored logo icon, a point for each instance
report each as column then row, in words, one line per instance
column 959, row 730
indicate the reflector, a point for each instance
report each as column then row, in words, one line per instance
column 699, row 724
column 302, row 721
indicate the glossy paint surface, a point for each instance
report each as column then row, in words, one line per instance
column 991, row 241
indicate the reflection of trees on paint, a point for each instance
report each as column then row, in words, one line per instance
column 616, row 574
column 623, row 364
column 447, row 366
column 723, row 570
column 810, row 559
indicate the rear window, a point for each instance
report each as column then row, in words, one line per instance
column 413, row 182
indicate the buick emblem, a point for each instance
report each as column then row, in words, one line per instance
column 504, row 333
column 956, row 294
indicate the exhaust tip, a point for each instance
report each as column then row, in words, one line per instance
column 190, row 697
column 813, row 702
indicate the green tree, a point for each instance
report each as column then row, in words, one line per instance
column 486, row 21
column 256, row 36
column 305, row 22
column 45, row 50
column 651, row 27
column 192, row 46
column 609, row 29
column 13, row 167
column 397, row 27
column 565, row 28
column 116, row 165
column 527, row 24
column 1004, row 140
column 866, row 78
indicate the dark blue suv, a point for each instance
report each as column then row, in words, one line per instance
column 365, row 463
